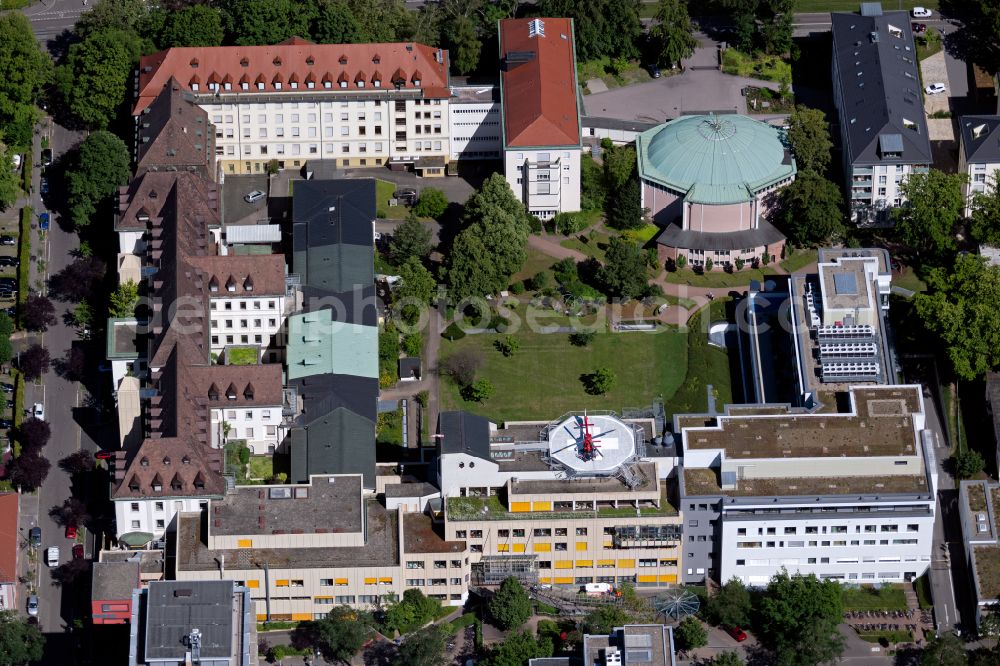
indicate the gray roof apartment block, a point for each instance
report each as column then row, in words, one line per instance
column 877, row 88
column 175, row 608
column 980, row 139
column 462, row 432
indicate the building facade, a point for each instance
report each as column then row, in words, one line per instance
column 979, row 502
column 359, row 104
column 978, row 156
column 883, row 128
column 708, row 180
column 542, row 141
column 474, row 123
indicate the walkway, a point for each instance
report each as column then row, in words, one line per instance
column 429, row 381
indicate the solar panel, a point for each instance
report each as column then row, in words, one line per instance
column 890, row 143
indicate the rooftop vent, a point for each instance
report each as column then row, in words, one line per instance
column 873, row 36
column 536, row 28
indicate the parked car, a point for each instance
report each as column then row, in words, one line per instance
column 7, row 240
column 10, row 312
column 6, row 424
column 405, row 195
column 253, row 197
column 43, row 221
column 738, row 634
column 78, row 551
column 35, row 536
column 654, row 71
column 6, row 388
column 33, row 605
column 52, row 556
column 46, row 157
column 16, row 160
column 6, row 293
column 921, row 12
column 71, row 531
column 38, row 411
column 104, row 455
column 919, row 28
column 43, row 185
column 935, row 89
column 10, row 261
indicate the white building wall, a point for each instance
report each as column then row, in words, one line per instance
column 259, row 426
column 130, row 242
column 547, row 181
column 350, row 129
column 853, row 548
column 245, row 321
column 981, row 180
column 152, row 515
column 474, row 130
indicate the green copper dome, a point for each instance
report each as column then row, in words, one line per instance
column 714, row 159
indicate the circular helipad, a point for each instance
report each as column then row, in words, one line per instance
column 591, row 443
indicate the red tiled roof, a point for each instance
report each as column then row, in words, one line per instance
column 251, row 275
column 8, row 537
column 175, row 133
column 539, row 90
column 295, row 57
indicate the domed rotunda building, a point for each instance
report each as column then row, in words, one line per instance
column 706, row 181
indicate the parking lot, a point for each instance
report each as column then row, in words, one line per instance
column 237, row 211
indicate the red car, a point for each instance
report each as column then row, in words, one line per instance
column 738, row 634
column 71, row 531
column 104, row 455
column 78, row 551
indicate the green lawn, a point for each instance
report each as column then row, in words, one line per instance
column 908, row 280
column 644, row 234
column 383, row 192
column 887, row 597
column 890, row 637
column 389, row 429
column 719, row 278
column 799, row 259
column 242, row 355
column 761, row 66
column 536, row 262
column 595, row 245
column 705, row 365
column 928, row 44
column 261, row 467
column 542, row 380
column 852, row 5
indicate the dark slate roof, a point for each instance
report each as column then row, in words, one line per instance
column 358, row 306
column 174, row 608
column 419, row 489
column 409, row 366
column 980, row 138
column 337, row 442
column 332, row 233
column 887, row 90
column 462, row 432
column 764, row 234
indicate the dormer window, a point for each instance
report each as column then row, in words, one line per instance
column 176, row 483
column 310, row 61
column 293, row 85
column 144, row 462
column 328, row 84
column 248, row 283
column 416, row 82
column 231, row 392
column 377, row 83
column 133, row 485
column 213, row 86
column 194, row 63
column 245, row 62
column 231, row 284
column 157, row 483
column 248, row 392
column 213, row 284
column 277, row 61
column 343, row 60
column 227, row 85
column 186, row 460
column 277, row 85
column 199, row 481
column 376, row 59
column 195, row 83
column 245, row 86
column 166, row 461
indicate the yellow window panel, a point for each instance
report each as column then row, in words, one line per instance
column 542, row 506
column 520, row 507
column 253, row 584
column 542, row 547
column 605, row 563
column 299, row 617
column 646, row 579
column 608, row 545
column 626, row 564
column 518, row 547
column 583, row 564
column 341, row 581
column 563, row 564
column 281, row 583
column 370, row 581
column 261, row 617
column 568, row 580
column 668, row 578
column 582, row 545
column 318, row 596
column 503, row 547
column 385, row 581
column 244, row 543
column 544, row 579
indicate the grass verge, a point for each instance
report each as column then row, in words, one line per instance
column 928, row 44
column 17, row 410
column 643, row 234
column 757, row 66
column 923, row 588
column 908, row 279
column 852, row 6
column 389, row 429
column 887, row 637
column 705, row 365
column 545, row 609
column 543, row 378
column 383, row 192
column 889, row 597
column 24, row 259
column 261, row 467
column 461, row 622
column 800, row 259
column 718, row 277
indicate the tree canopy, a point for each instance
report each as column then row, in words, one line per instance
column 798, row 618
column 10, row 187
column 411, row 239
column 464, row 44
column 416, row 282
column 510, row 606
column 624, row 273
column 626, row 210
column 101, row 166
column 671, row 34
column 432, row 203
column 424, row 648
column 945, row 650
column 762, row 24
column 258, row 22
column 985, row 223
column 20, row 642
column 94, row 81
column 338, row 636
column 691, row 633
column 961, row 309
column 335, row 24
column 124, row 299
column 517, row 649
column 809, row 134
column 934, row 202
column 410, row 612
column 604, row 619
column 730, row 605
column 811, row 209
column 196, row 25
column 24, row 70
column 603, row 28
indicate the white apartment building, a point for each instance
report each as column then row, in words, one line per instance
column 260, row 427
column 474, row 123
column 541, row 117
column 358, row 104
column 847, row 496
column 153, row 516
column 978, row 155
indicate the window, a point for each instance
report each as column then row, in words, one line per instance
column 135, row 506
column 326, row 581
column 157, row 505
column 159, row 524
column 790, row 530
column 135, row 524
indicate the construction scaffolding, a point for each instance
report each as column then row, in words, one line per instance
column 494, row 569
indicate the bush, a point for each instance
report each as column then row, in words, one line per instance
column 582, row 338
column 534, row 224
column 432, row 203
column 422, row 398
column 570, row 223
column 453, row 332
column 681, row 262
column 539, row 281
column 413, row 344
column 968, row 463
column 517, row 288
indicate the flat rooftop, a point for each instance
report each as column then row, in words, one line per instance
column 639, row 644
column 328, row 504
column 419, row 536
column 846, row 287
column 828, row 254
column 174, row 608
column 114, row 580
column 381, row 548
column 123, row 338
column 150, row 561
column 600, row 484
column 469, row 94
column 882, row 426
column 706, row 482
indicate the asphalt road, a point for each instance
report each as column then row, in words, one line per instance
column 51, row 18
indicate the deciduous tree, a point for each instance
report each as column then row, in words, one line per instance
column 10, row 186
column 79, row 462
column 94, row 81
column 518, row 649
column 416, row 282
column 77, row 280
column 985, row 224
column 464, row 44
column 34, row 362
column 600, row 381
column 581, row 338
column 480, row 390
column 424, row 648
column 432, row 203
column 934, row 202
column 510, row 607
column 626, row 210
column 810, row 136
column 20, row 642
column 257, row 22
column 124, row 299
column 619, row 166
column 28, row 470
column 33, row 433
column 672, row 33
column 99, row 168
column 38, row 313
column 604, row 619
column 968, row 463
column 411, row 239
column 335, row 24
column 691, row 634
column 728, row 659
column 961, row 309
column 103, row 15
column 604, row 28
column 730, row 605
column 462, row 366
column 197, row 25
column 24, row 71
column 811, row 209
column 945, row 650
column 624, row 272
column 338, row 636
column 799, row 617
